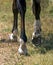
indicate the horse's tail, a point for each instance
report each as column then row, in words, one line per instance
column 19, row 6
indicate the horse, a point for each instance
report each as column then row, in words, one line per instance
column 19, row 6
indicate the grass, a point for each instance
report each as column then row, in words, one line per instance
column 37, row 55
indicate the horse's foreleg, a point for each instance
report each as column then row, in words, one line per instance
column 13, row 36
column 36, row 37
column 15, row 24
column 22, row 48
column 23, row 39
column 23, row 34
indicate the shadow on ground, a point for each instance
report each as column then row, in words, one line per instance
column 47, row 43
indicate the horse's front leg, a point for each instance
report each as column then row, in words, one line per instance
column 23, row 39
column 13, row 36
column 36, row 37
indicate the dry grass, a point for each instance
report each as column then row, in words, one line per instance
column 37, row 55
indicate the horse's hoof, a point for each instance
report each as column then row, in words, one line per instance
column 36, row 40
column 22, row 48
column 22, row 51
column 12, row 37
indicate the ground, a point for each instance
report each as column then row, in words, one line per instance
column 37, row 55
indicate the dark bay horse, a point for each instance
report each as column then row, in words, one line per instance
column 19, row 6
